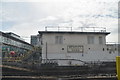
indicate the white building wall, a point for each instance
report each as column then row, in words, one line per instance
column 69, row 39
column 92, row 52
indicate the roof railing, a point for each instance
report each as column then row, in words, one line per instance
column 80, row 29
column 112, row 42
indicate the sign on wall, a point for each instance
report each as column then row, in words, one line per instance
column 75, row 48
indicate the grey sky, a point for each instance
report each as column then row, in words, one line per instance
column 27, row 17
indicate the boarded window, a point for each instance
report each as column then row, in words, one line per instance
column 100, row 40
column 90, row 39
column 59, row 39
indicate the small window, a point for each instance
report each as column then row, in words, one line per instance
column 100, row 40
column 59, row 39
column 90, row 39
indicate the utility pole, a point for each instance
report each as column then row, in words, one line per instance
column 46, row 51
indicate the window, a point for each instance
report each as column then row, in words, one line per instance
column 3, row 40
column 59, row 39
column 0, row 38
column 90, row 39
column 75, row 48
column 100, row 40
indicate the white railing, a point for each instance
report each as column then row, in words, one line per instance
column 112, row 43
column 80, row 29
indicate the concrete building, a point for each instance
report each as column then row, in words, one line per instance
column 12, row 42
column 74, row 47
column 35, row 39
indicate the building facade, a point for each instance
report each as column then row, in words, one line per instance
column 35, row 40
column 12, row 42
column 74, row 48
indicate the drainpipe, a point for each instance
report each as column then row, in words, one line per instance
column 46, row 52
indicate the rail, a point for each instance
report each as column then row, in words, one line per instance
column 55, row 60
column 112, row 42
column 59, row 78
column 81, row 29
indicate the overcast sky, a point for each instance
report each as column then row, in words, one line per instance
column 27, row 17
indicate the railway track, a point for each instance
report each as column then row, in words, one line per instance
column 52, row 73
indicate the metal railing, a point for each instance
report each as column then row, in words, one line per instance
column 112, row 42
column 81, row 29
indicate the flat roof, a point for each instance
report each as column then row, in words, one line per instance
column 13, row 38
column 73, row 32
column 10, row 33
